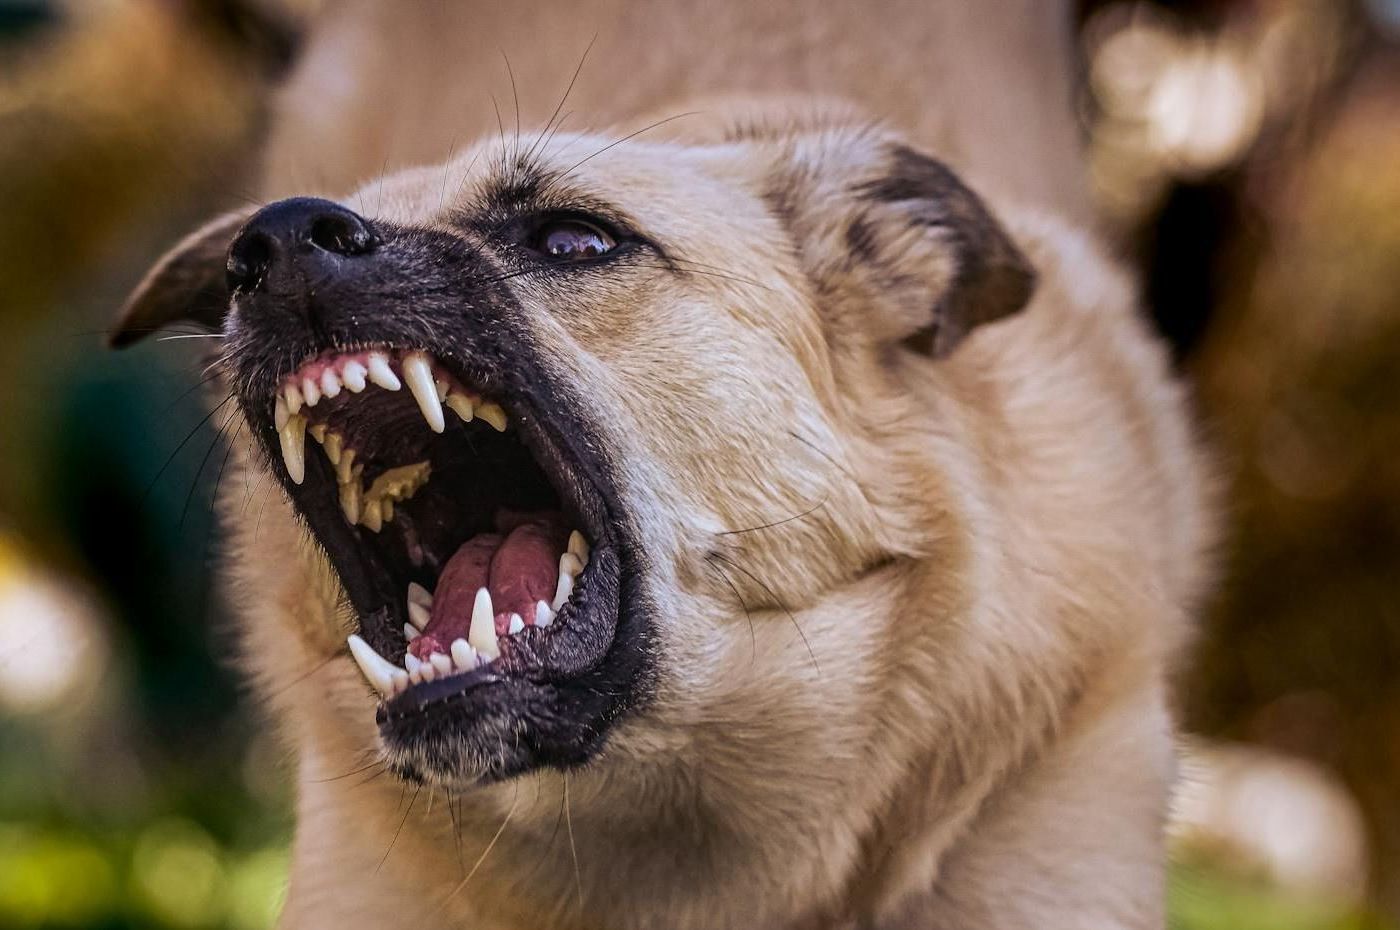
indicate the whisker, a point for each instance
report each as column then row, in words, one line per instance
column 500, row 128
column 383, row 170
column 194, row 482
column 305, row 675
column 377, row 763
column 515, row 97
column 372, row 776
column 562, row 100
column 716, row 271
column 456, row 829
column 223, row 466
column 548, row 845
column 611, row 145
column 190, row 390
column 257, row 527
column 447, row 163
column 408, row 810
column 776, row 600
column 768, row 526
column 839, row 466
column 484, row 853
column 573, row 849
column 753, row 636
column 188, row 436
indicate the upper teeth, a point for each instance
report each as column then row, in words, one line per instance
column 432, row 390
column 292, row 437
column 481, row 645
column 382, row 673
column 380, row 372
column 418, row 372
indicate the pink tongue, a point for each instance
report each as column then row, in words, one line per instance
column 518, row 571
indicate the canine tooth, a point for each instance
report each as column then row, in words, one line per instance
column 493, row 414
column 463, row 655
column 330, row 382
column 371, row 518
column 350, row 501
column 311, row 391
column 441, row 662
column 342, row 468
column 400, row 680
column 417, row 594
column 543, row 615
column 568, row 562
column 418, row 372
column 412, row 663
column 417, row 615
column 292, row 438
column 280, row 414
column 317, row 431
column 517, row 623
column 352, row 374
column 294, row 399
column 461, row 405
column 410, row 632
column 334, row 442
column 482, row 633
column 579, row 547
column 380, row 372
column 565, row 588
column 378, row 670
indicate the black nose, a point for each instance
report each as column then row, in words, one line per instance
column 292, row 242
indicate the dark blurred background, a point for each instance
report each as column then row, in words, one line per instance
column 1245, row 157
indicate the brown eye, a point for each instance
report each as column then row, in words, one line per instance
column 573, row 239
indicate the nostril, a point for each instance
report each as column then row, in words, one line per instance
column 291, row 241
column 341, row 233
column 248, row 260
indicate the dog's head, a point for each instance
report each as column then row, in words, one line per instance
column 594, row 425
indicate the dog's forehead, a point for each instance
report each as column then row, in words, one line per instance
column 645, row 180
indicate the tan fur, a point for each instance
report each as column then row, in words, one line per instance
column 943, row 704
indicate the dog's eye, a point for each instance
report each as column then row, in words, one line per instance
column 570, row 240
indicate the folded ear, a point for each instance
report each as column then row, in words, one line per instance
column 188, row 284
column 895, row 242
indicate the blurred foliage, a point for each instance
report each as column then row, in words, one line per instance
column 1203, row 896
column 143, row 795
column 170, row 874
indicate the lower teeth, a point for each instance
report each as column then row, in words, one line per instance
column 480, row 647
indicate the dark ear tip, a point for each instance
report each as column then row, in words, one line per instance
column 187, row 285
column 129, row 328
column 121, row 339
column 123, row 336
column 1023, row 281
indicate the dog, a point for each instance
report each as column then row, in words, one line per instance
column 746, row 524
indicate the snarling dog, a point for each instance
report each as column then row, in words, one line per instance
column 746, row 526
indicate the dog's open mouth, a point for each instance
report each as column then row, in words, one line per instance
column 454, row 512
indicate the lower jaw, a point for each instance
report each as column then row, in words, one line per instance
column 548, row 701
